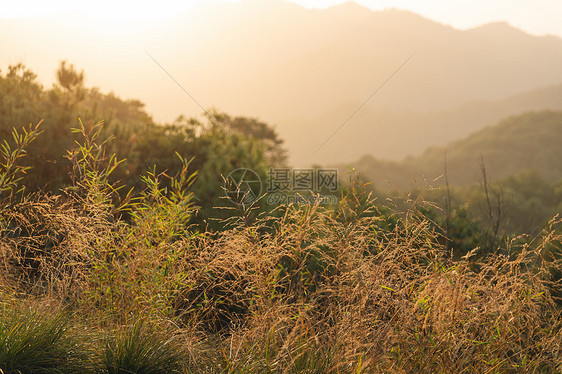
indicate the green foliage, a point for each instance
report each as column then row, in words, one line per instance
column 71, row 83
column 224, row 153
column 10, row 171
column 274, row 150
column 38, row 341
column 138, row 231
column 165, row 211
column 141, row 349
column 215, row 147
column 92, row 170
column 21, row 99
column 522, row 203
column 68, row 78
column 532, row 201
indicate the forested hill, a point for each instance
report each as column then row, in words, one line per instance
column 531, row 141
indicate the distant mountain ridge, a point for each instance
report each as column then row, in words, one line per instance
column 395, row 135
column 290, row 66
column 531, row 141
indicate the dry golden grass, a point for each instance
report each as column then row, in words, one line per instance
column 315, row 290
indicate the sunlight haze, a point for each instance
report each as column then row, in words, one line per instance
column 538, row 17
column 304, row 65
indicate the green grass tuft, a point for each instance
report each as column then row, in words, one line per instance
column 141, row 349
column 33, row 341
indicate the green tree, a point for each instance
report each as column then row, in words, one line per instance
column 21, row 99
column 70, row 85
column 215, row 147
column 275, row 151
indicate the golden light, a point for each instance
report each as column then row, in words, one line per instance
column 111, row 11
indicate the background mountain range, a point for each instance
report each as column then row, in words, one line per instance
column 530, row 141
column 308, row 70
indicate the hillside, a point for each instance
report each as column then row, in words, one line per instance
column 395, row 135
column 296, row 68
column 528, row 141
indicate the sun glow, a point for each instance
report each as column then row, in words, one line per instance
column 538, row 18
column 112, row 11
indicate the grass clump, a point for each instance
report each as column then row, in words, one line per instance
column 39, row 341
column 141, row 349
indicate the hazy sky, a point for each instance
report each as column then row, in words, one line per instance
column 536, row 17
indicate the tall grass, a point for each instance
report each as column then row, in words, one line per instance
column 348, row 289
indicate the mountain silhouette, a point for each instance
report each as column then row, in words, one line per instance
column 530, row 141
column 304, row 70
